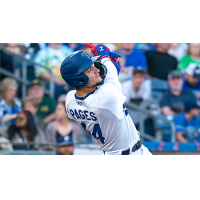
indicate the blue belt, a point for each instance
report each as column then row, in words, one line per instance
column 134, row 148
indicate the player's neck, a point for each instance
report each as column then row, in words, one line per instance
column 84, row 91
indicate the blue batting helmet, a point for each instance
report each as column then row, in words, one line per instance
column 74, row 65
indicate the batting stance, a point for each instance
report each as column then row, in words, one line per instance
column 97, row 103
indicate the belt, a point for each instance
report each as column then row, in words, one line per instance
column 134, row 148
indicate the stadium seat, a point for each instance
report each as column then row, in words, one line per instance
column 157, row 95
column 158, row 88
column 159, row 85
column 164, row 128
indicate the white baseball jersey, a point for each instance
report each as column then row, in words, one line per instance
column 102, row 113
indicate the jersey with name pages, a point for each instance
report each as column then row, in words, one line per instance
column 102, row 113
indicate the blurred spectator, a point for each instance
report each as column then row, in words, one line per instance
column 124, row 75
column 65, row 145
column 24, row 130
column 63, row 126
column 5, row 145
column 193, row 56
column 9, row 104
column 31, row 104
column 187, row 124
column 160, row 63
column 138, row 91
column 16, row 48
column 10, row 62
column 88, row 50
column 137, row 87
column 95, row 44
column 111, row 46
column 62, row 98
column 46, row 106
column 173, row 101
column 133, row 59
column 178, row 50
column 35, row 46
column 6, row 62
column 52, row 57
column 192, row 79
column 75, row 46
column 143, row 47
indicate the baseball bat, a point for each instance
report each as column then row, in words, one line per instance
column 93, row 48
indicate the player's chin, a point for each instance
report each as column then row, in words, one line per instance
column 99, row 83
column 98, row 78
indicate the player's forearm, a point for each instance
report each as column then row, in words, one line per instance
column 112, row 74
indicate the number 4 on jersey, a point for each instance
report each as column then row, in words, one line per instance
column 96, row 133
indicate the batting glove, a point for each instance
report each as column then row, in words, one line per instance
column 117, row 64
column 102, row 51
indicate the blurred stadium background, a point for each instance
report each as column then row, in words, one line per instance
column 160, row 80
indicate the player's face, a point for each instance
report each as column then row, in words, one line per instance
column 94, row 76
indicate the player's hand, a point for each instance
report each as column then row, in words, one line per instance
column 102, row 51
column 117, row 64
column 114, row 55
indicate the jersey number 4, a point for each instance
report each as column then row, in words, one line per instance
column 96, row 133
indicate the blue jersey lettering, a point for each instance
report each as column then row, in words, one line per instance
column 93, row 116
column 86, row 114
column 77, row 115
column 81, row 114
column 72, row 113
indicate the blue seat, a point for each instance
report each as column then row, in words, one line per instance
column 157, row 95
column 164, row 128
column 158, row 84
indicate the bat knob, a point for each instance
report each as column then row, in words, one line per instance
column 93, row 49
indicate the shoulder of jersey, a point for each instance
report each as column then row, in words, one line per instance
column 69, row 96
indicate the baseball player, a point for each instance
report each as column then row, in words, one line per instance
column 97, row 103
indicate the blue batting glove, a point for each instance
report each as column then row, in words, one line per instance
column 117, row 64
column 102, row 51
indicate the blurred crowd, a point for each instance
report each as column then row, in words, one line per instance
column 163, row 74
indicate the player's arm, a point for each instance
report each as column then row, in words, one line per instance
column 112, row 74
column 106, row 58
column 111, row 90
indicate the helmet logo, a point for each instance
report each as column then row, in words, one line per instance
column 85, row 54
column 101, row 48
